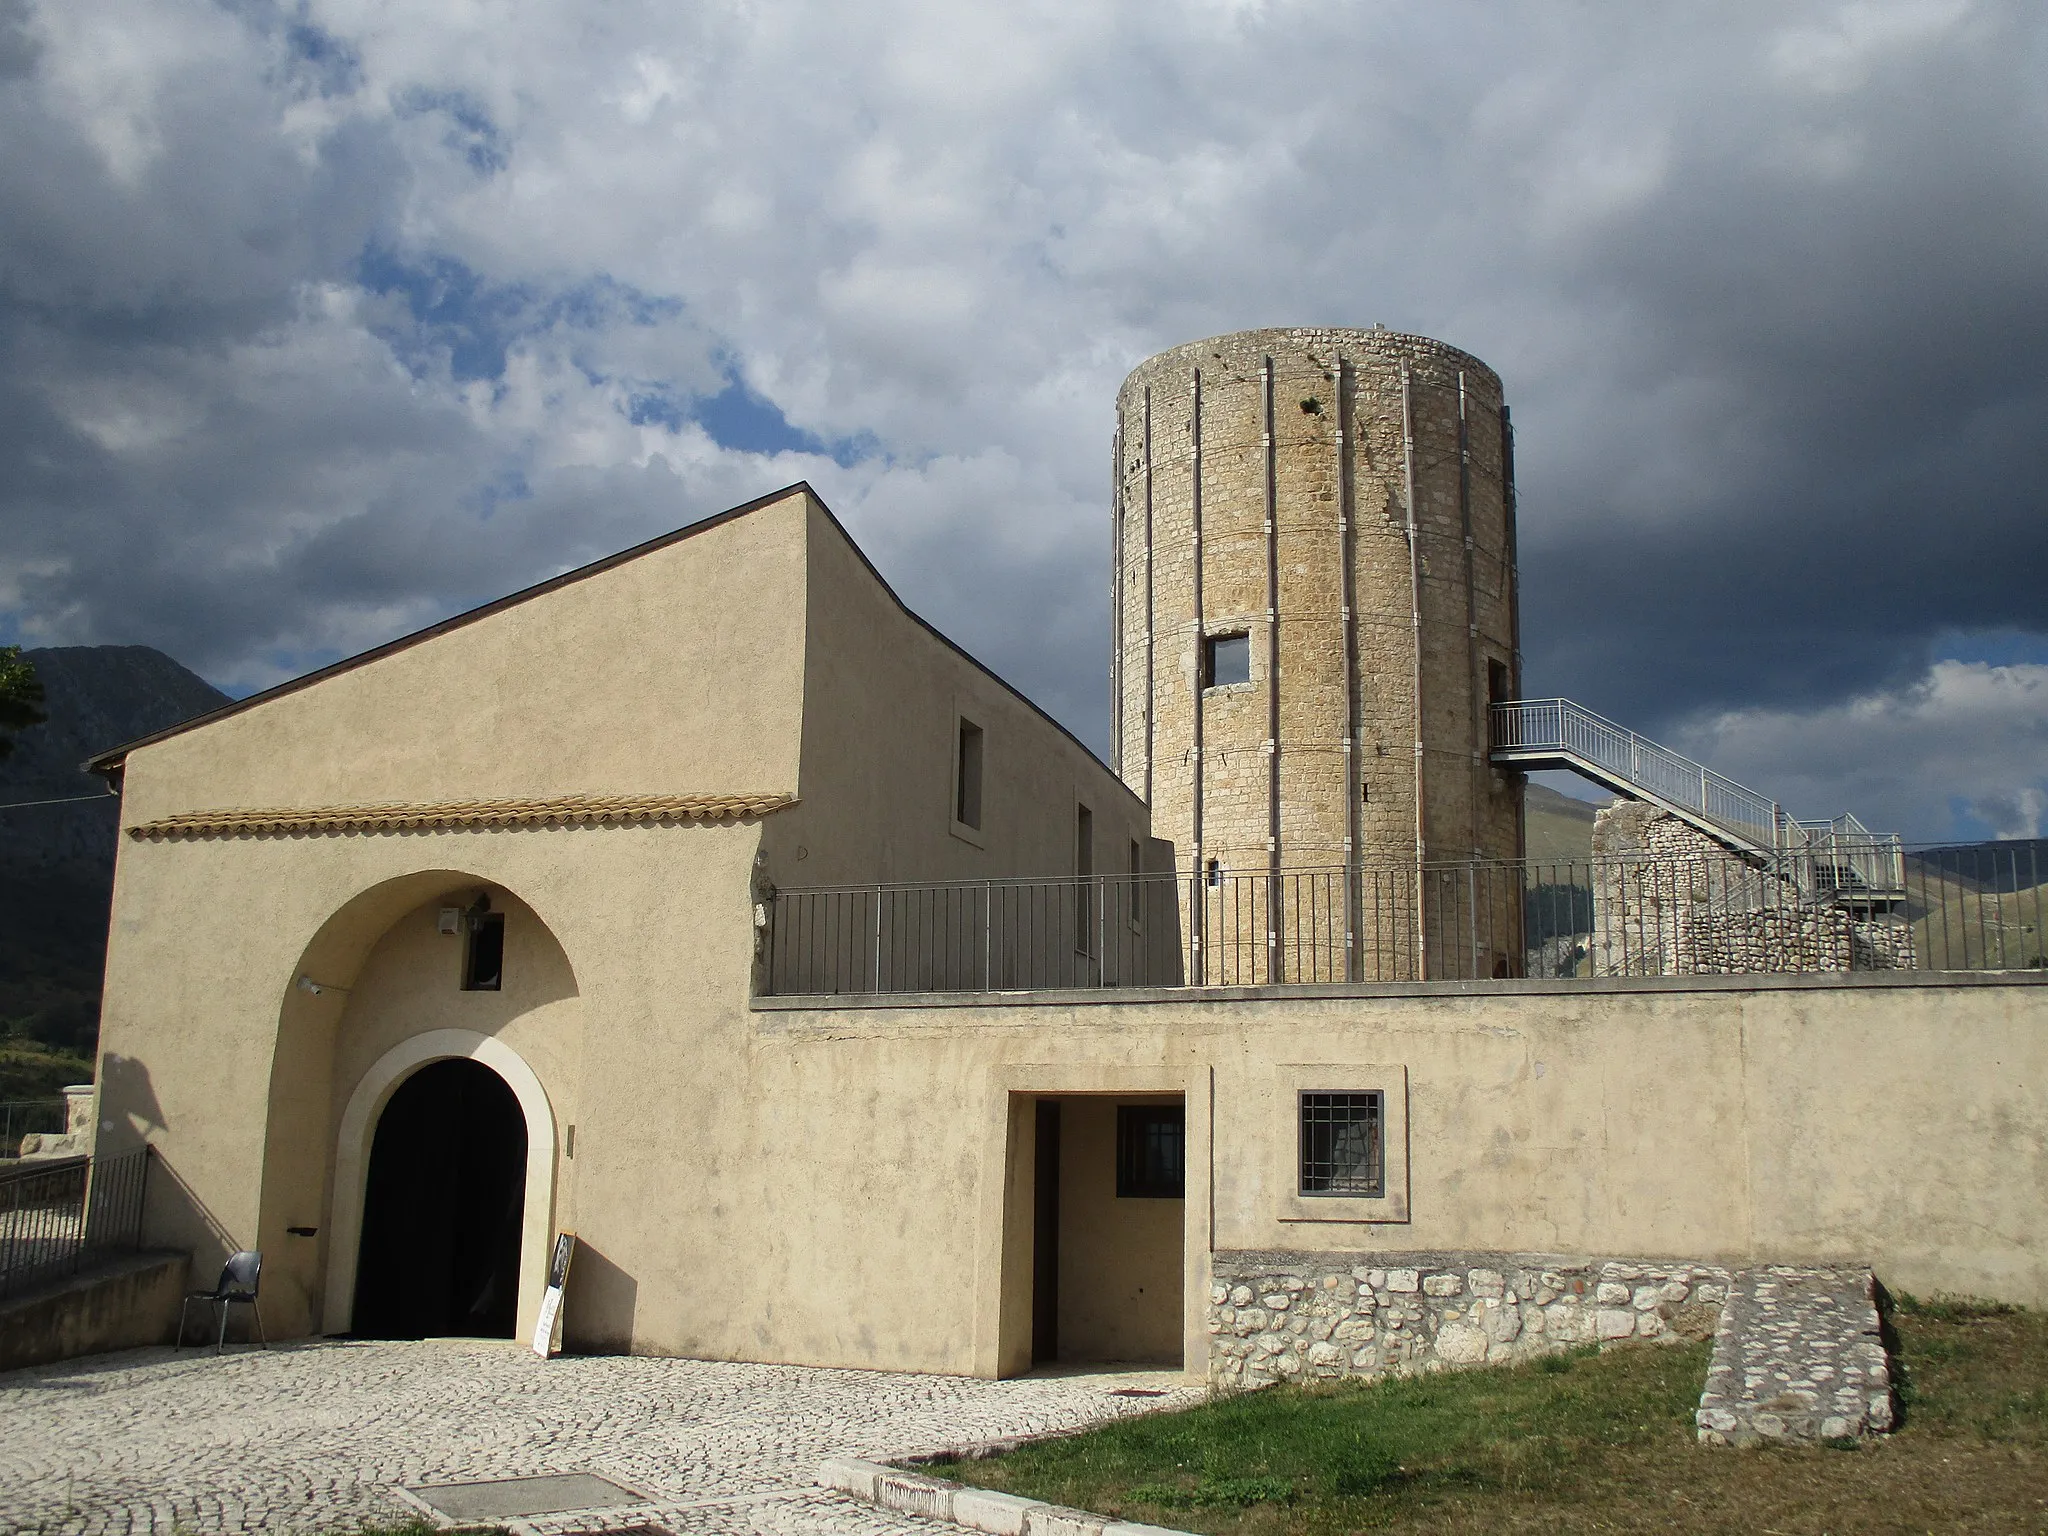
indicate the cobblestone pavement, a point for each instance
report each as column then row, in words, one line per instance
column 321, row 1436
column 1798, row 1356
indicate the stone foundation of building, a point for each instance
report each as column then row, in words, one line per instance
column 1305, row 1316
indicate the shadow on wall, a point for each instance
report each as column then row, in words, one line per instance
column 597, row 1308
column 173, row 1214
column 126, row 1092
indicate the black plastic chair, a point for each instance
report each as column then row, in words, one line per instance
column 240, row 1278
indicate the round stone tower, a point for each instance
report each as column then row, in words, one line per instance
column 1314, row 603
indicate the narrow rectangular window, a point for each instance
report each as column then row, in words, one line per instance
column 483, row 958
column 1151, row 1144
column 1343, row 1144
column 967, row 776
column 1226, row 659
column 1084, row 890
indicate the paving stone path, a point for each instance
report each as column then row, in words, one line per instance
column 320, row 1436
column 1797, row 1356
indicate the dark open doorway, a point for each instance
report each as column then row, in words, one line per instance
column 443, row 1207
column 1108, row 1213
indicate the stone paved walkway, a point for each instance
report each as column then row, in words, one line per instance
column 319, row 1436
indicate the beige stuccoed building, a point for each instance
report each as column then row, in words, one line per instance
column 505, row 929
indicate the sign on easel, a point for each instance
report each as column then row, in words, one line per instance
column 547, row 1332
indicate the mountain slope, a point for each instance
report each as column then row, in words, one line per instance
column 57, row 861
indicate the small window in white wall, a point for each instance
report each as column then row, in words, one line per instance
column 1343, row 1144
column 483, row 956
column 967, row 776
column 1084, row 866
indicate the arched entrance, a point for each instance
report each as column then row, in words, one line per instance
column 385, row 1079
column 443, row 1208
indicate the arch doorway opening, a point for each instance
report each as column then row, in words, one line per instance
column 443, row 1208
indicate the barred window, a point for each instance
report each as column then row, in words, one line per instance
column 1343, row 1144
column 1151, row 1142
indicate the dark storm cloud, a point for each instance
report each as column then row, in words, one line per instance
column 318, row 322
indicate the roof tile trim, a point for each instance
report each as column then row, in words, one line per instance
column 464, row 816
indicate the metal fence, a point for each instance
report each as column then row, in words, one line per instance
column 58, row 1217
column 1974, row 908
column 27, row 1117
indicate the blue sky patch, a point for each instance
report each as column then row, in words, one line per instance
column 738, row 418
column 332, row 64
column 469, row 132
column 453, row 309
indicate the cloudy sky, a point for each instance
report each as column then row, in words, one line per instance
column 322, row 320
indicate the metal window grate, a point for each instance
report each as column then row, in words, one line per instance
column 1343, row 1144
column 1151, row 1148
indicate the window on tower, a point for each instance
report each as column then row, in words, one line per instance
column 1226, row 659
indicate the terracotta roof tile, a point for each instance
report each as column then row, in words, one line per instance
column 463, row 815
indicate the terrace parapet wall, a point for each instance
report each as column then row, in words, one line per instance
column 1295, row 1316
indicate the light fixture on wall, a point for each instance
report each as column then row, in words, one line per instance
column 317, row 988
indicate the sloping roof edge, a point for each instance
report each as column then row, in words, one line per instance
column 112, row 758
column 110, row 761
column 963, row 653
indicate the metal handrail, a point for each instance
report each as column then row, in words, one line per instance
column 1572, row 730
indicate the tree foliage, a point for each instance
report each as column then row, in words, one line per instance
column 21, row 696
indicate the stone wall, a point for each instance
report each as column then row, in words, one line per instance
column 1670, row 901
column 1301, row 1316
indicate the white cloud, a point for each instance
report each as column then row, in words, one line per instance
column 1967, row 742
column 298, row 300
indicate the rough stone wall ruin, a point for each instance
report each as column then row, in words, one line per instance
column 1670, row 901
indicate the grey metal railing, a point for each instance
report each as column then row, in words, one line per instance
column 58, row 1217
column 1560, row 727
column 1713, row 913
column 1842, row 857
column 27, row 1117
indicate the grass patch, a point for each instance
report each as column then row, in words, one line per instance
column 1588, row 1441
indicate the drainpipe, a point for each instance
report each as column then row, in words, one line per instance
column 1353, row 823
column 1514, row 588
column 1148, row 597
column 1415, row 617
column 1116, row 603
column 1195, row 817
column 1273, row 908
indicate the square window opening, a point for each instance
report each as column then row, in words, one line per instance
column 967, row 776
column 1343, row 1144
column 1226, row 659
column 483, row 955
column 1151, row 1152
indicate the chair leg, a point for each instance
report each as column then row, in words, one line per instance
column 256, row 1312
column 221, row 1343
column 183, row 1312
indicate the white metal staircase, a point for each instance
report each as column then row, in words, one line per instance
column 1840, row 859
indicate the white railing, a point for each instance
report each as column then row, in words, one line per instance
column 1849, row 858
column 1532, row 726
column 1840, row 857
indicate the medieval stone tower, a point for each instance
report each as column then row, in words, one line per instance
column 1314, row 602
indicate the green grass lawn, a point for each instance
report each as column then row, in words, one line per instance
column 1590, row 1441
